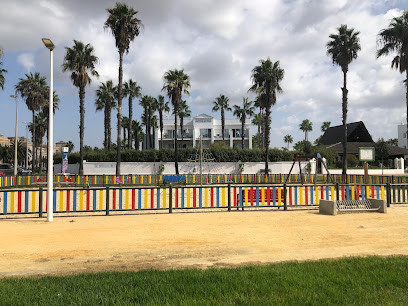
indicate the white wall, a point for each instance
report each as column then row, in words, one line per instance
column 98, row 168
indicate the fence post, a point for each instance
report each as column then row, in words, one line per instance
column 388, row 188
column 40, row 203
column 285, row 205
column 337, row 191
column 107, row 201
column 170, row 199
column 229, row 197
column 103, row 180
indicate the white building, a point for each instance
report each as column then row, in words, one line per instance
column 402, row 136
column 209, row 128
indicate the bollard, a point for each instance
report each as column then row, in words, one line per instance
column 285, row 205
column 388, row 188
column 170, row 199
column 229, row 197
column 107, row 201
column 40, row 208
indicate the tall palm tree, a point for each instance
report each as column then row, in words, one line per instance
column 105, row 100
column 80, row 60
column 70, row 146
column 306, row 126
column 343, row 48
column 266, row 80
column 221, row 103
column 161, row 107
column 325, row 126
column 394, row 39
column 125, row 27
column 183, row 112
column 136, row 131
column 132, row 90
column 258, row 120
column 175, row 83
column 38, row 128
column 288, row 139
column 45, row 110
column 242, row 113
column 2, row 72
column 34, row 90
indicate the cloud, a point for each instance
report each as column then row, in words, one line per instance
column 26, row 60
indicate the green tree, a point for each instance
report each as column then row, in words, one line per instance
column 132, row 90
column 184, row 112
column 161, row 107
column 137, row 132
column 175, row 83
column 266, row 80
column 221, row 104
column 382, row 150
column 394, row 40
column 325, row 126
column 34, row 90
column 125, row 27
column 306, row 126
column 70, row 146
column 2, row 72
column 343, row 48
column 125, row 125
column 288, row 139
column 243, row 113
column 148, row 104
column 105, row 100
column 393, row 142
column 38, row 128
column 80, row 60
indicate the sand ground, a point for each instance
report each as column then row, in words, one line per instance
column 200, row 239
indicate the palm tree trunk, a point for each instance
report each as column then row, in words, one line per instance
column 175, row 144
column 34, row 160
column 81, row 128
column 259, row 132
column 262, row 128
column 406, row 97
column 124, row 134
column 105, row 126
column 181, row 128
column 108, row 126
column 119, row 141
column 242, row 132
column 267, row 134
column 130, row 122
column 344, row 107
column 222, row 123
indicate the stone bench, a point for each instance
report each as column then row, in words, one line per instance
column 334, row 207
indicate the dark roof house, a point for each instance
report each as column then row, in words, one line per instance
column 356, row 132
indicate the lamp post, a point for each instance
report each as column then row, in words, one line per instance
column 26, row 163
column 50, row 156
column 15, row 138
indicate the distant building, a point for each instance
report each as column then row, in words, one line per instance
column 208, row 128
column 402, row 136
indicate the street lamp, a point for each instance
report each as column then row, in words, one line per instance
column 26, row 163
column 50, row 181
column 15, row 138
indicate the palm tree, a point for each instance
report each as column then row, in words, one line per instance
column 125, row 27
column 45, row 110
column 257, row 120
column 161, row 107
column 175, row 83
column 132, row 90
column 266, row 78
column 2, row 71
column 70, row 146
column 34, row 90
column 105, row 99
column 136, row 131
column 306, row 126
column 221, row 103
column 38, row 128
column 325, row 126
column 394, row 39
column 343, row 48
column 183, row 112
column 242, row 113
column 125, row 125
column 80, row 60
column 288, row 139
column 148, row 104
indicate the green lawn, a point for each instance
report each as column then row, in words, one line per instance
column 358, row 281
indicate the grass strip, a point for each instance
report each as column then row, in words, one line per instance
column 359, row 280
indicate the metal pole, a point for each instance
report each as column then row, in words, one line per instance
column 15, row 138
column 50, row 181
column 201, row 160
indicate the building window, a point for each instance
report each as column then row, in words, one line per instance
column 206, row 133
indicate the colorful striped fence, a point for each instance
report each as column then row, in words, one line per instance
column 109, row 199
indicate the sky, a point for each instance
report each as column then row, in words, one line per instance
column 217, row 43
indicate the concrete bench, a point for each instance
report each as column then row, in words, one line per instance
column 334, row 207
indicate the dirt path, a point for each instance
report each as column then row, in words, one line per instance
column 30, row 246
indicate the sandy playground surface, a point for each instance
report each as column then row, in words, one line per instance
column 200, row 239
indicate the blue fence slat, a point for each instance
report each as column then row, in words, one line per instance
column 26, row 201
column 139, row 199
